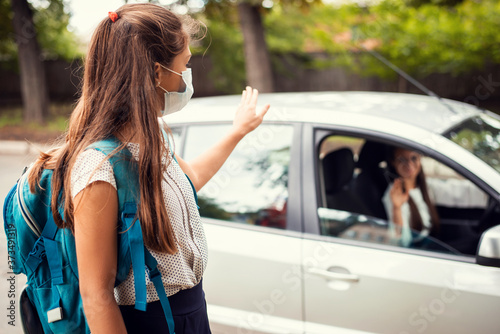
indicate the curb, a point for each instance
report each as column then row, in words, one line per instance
column 12, row 147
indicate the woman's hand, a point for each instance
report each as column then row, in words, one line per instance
column 399, row 194
column 246, row 118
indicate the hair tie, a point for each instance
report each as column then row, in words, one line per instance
column 113, row 16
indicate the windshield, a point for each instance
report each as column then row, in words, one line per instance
column 479, row 135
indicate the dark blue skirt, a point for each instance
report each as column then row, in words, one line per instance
column 188, row 308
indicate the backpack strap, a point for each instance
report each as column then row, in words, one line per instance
column 155, row 277
column 136, row 245
column 140, row 256
column 54, row 260
column 127, row 188
column 46, row 245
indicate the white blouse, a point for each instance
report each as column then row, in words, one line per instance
column 179, row 271
column 406, row 238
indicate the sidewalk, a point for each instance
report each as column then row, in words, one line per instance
column 14, row 156
column 12, row 162
column 13, row 147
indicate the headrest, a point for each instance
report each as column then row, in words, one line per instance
column 372, row 153
column 338, row 168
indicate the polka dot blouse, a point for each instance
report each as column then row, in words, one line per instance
column 181, row 270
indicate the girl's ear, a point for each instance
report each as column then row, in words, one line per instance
column 158, row 71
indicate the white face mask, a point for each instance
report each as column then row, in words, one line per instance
column 175, row 101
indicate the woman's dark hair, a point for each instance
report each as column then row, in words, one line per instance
column 415, row 218
column 118, row 92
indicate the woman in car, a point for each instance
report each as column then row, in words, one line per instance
column 407, row 201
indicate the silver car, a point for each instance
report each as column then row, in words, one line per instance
column 300, row 246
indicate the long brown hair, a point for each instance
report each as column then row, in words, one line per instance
column 118, row 92
column 416, row 222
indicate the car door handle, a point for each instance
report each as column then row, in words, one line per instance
column 334, row 275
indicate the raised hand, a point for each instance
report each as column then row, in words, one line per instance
column 246, row 118
column 399, row 194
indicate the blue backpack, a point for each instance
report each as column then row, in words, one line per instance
column 46, row 254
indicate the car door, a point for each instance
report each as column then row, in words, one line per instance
column 251, row 220
column 355, row 282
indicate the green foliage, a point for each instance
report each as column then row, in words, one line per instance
column 57, row 120
column 7, row 43
column 421, row 37
column 10, row 117
column 224, row 45
column 284, row 29
column 209, row 209
column 51, row 22
column 227, row 56
column 421, row 40
column 417, row 3
column 224, row 41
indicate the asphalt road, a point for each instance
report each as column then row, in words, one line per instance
column 11, row 167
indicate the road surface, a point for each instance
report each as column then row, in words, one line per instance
column 11, row 166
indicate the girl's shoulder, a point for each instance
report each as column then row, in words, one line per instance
column 90, row 166
column 87, row 159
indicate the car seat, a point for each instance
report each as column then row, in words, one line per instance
column 371, row 183
column 338, row 170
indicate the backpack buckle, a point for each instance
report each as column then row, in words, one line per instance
column 154, row 273
column 128, row 215
column 36, row 255
column 54, row 315
column 129, row 211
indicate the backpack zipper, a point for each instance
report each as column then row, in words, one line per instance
column 30, row 221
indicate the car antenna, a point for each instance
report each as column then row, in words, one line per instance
column 401, row 72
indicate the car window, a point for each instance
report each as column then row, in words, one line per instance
column 355, row 179
column 251, row 187
column 176, row 136
column 480, row 135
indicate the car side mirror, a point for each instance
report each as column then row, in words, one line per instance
column 489, row 248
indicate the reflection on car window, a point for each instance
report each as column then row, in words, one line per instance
column 251, row 187
column 354, row 180
column 352, row 226
column 479, row 135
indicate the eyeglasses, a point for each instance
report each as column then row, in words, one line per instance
column 414, row 159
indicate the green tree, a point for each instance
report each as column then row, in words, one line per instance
column 423, row 39
column 250, row 15
column 417, row 3
column 51, row 22
column 224, row 45
column 237, row 39
column 29, row 35
column 33, row 86
column 257, row 59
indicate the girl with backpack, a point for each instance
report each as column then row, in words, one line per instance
column 135, row 71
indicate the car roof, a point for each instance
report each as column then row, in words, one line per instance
column 428, row 113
